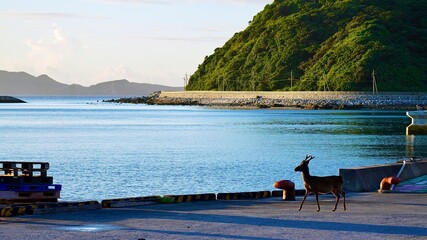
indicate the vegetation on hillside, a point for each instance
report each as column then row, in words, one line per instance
column 323, row 45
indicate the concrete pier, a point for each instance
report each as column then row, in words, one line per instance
column 368, row 216
column 419, row 123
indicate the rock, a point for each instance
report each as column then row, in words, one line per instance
column 8, row 99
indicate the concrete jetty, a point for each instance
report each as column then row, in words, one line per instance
column 248, row 215
column 368, row 216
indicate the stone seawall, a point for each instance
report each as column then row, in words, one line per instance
column 308, row 100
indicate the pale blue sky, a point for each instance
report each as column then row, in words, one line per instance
column 92, row 41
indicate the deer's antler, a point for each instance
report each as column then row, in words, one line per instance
column 308, row 158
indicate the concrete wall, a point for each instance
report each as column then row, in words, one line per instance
column 367, row 179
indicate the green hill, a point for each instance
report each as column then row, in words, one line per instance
column 326, row 44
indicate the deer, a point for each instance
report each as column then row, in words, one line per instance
column 316, row 185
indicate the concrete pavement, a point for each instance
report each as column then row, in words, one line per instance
column 368, row 216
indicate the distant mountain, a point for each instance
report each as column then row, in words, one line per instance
column 24, row 84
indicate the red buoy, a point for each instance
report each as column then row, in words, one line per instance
column 284, row 184
column 288, row 188
column 388, row 181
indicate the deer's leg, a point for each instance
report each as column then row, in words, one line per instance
column 337, row 198
column 317, row 200
column 343, row 195
column 305, row 196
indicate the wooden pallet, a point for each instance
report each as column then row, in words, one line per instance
column 24, row 168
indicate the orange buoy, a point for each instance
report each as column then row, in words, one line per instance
column 288, row 188
column 284, row 184
column 388, row 181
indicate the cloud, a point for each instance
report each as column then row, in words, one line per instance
column 235, row 1
column 47, row 56
column 139, row 2
column 182, row 1
column 118, row 72
column 45, row 15
column 148, row 75
column 181, row 39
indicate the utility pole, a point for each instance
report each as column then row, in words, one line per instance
column 185, row 80
column 324, row 82
column 291, row 79
column 325, row 85
column 253, row 81
column 217, row 84
column 374, row 84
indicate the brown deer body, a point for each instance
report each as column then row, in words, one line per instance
column 316, row 185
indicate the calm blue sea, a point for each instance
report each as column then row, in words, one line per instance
column 103, row 150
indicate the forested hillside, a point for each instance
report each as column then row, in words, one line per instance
column 324, row 45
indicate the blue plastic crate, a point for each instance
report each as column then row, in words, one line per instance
column 30, row 187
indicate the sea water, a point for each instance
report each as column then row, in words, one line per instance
column 102, row 150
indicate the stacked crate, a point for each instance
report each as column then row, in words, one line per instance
column 27, row 182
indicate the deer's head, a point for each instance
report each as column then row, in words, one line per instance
column 304, row 164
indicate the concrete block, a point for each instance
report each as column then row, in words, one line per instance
column 127, row 202
column 192, row 197
column 45, row 208
column 243, row 195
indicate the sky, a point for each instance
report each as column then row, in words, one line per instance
column 91, row 41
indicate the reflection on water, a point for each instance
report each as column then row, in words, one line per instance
column 410, row 142
column 416, row 146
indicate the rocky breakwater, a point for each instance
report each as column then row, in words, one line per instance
column 151, row 99
column 304, row 100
